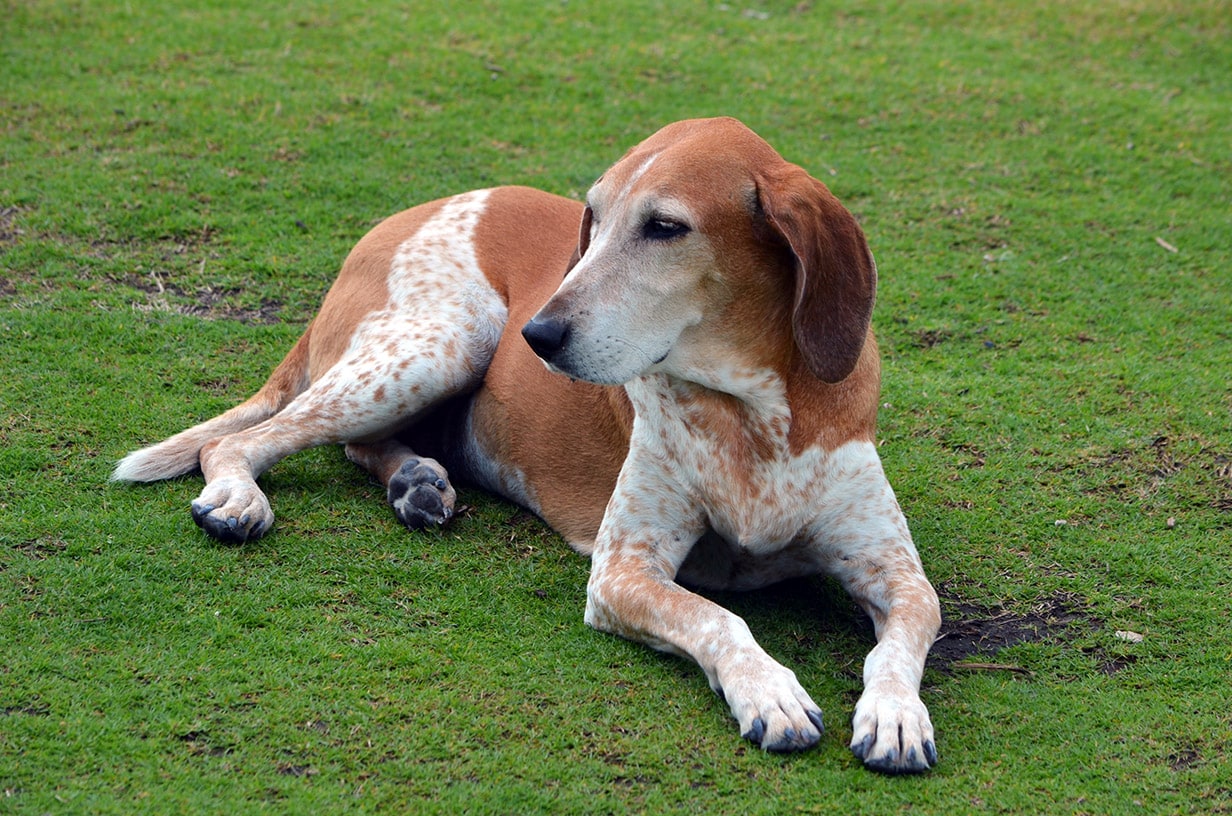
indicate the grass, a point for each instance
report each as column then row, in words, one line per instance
column 1046, row 187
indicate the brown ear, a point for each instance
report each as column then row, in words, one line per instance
column 836, row 279
column 583, row 240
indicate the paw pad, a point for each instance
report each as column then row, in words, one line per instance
column 420, row 496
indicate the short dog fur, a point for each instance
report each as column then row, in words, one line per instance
column 678, row 376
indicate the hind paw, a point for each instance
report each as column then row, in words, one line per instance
column 421, row 495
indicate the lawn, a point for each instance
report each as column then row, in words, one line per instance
column 1047, row 188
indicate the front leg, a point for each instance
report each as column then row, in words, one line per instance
column 632, row 593
column 878, row 565
column 891, row 729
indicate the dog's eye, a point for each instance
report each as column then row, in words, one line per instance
column 661, row 229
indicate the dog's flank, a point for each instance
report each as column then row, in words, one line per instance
column 678, row 376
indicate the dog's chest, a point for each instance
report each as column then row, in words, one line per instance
column 732, row 459
column 759, row 506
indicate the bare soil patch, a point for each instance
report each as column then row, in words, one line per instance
column 972, row 635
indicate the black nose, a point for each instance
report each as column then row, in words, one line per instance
column 546, row 337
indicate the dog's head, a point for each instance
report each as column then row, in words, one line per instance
column 702, row 245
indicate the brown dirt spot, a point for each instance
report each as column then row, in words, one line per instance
column 208, row 303
column 1183, row 758
column 969, row 631
column 927, row 338
column 9, row 231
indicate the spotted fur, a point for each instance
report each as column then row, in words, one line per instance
column 679, row 376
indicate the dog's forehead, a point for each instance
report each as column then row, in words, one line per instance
column 706, row 160
column 721, row 135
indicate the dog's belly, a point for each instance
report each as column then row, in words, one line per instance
column 556, row 452
column 715, row 563
column 481, row 463
column 460, row 438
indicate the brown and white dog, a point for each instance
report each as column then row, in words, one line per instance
column 704, row 418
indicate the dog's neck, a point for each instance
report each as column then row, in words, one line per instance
column 762, row 412
column 737, row 411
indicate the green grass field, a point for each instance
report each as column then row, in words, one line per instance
column 1047, row 187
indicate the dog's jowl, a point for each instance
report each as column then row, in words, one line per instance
column 678, row 376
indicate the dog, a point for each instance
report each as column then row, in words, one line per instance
column 678, row 375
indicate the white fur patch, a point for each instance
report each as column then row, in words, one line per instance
column 433, row 338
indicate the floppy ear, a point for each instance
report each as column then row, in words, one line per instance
column 836, row 279
column 583, row 240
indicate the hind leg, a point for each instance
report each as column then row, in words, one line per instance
column 417, row 487
column 354, row 401
column 370, row 394
column 433, row 339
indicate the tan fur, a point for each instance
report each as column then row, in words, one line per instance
column 572, row 490
column 709, row 309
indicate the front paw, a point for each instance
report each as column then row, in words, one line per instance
column 421, row 495
column 892, row 733
column 233, row 511
column 773, row 709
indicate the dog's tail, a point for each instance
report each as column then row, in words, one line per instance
column 180, row 454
